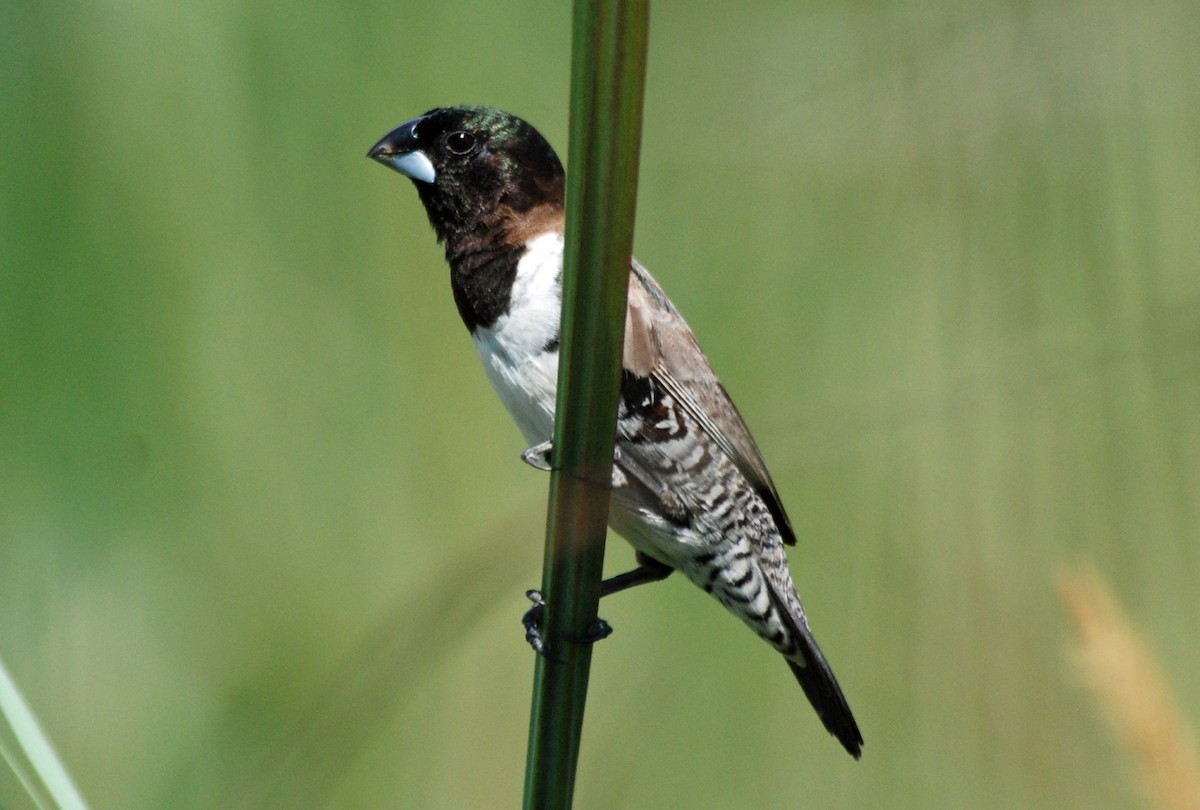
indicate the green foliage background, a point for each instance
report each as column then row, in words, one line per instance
column 264, row 532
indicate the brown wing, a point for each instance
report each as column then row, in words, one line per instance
column 659, row 345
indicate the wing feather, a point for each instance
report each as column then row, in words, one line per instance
column 659, row 345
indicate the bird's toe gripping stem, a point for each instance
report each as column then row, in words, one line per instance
column 532, row 620
column 538, row 456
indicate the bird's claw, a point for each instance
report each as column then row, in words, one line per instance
column 532, row 620
column 538, row 456
column 599, row 631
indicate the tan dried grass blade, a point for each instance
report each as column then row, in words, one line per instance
column 1132, row 693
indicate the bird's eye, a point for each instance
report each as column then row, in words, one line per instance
column 460, row 142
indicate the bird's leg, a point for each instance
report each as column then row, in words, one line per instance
column 648, row 570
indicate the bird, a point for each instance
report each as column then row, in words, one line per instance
column 691, row 491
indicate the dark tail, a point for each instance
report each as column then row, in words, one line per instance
column 815, row 676
column 823, row 692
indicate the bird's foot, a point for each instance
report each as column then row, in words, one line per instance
column 538, row 456
column 599, row 631
column 532, row 620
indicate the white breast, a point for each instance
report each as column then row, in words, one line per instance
column 525, row 377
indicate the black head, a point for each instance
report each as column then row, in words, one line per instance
column 475, row 168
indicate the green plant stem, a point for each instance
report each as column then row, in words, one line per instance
column 607, row 80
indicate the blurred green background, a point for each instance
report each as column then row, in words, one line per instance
column 264, row 533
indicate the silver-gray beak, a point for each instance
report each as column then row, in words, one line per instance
column 400, row 150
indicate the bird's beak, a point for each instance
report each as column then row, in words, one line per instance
column 399, row 150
